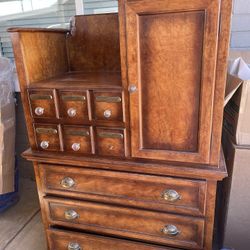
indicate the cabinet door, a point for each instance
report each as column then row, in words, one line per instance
column 171, row 53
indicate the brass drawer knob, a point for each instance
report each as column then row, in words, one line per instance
column 171, row 230
column 171, row 195
column 74, row 246
column 67, row 182
column 76, row 146
column 39, row 111
column 71, row 112
column 44, row 144
column 107, row 113
column 71, row 214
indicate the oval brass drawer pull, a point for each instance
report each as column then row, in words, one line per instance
column 171, row 230
column 51, row 131
column 74, row 98
column 67, row 182
column 74, row 246
column 108, row 99
column 71, row 214
column 171, row 195
column 40, row 97
column 110, row 135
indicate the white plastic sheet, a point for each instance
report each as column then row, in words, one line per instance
column 6, row 81
column 7, row 127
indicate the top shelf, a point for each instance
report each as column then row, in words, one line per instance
column 82, row 80
column 27, row 29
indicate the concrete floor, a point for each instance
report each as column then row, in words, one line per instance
column 21, row 226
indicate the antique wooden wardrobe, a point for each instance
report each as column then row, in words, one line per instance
column 124, row 117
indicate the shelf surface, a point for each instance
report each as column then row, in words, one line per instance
column 82, row 80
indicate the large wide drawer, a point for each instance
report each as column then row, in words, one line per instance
column 154, row 227
column 63, row 240
column 143, row 191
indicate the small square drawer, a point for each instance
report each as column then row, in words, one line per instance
column 42, row 103
column 77, row 139
column 110, row 142
column 47, row 137
column 108, row 106
column 73, row 105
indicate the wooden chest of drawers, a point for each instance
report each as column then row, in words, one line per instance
column 124, row 121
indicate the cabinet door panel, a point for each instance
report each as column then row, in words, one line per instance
column 172, row 48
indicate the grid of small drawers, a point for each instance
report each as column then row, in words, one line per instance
column 78, row 121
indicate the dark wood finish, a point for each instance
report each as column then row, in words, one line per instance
column 138, row 190
column 94, row 43
column 59, row 240
column 163, row 136
column 132, row 223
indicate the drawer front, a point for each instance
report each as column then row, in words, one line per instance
column 110, row 142
column 47, row 137
column 143, row 191
column 77, row 139
column 42, row 103
column 153, row 227
column 63, row 240
column 108, row 106
column 73, row 105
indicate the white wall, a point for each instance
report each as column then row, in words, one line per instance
column 240, row 36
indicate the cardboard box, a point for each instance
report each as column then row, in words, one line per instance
column 237, row 103
column 7, row 148
column 235, row 208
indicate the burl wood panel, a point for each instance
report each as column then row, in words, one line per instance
column 132, row 223
column 94, row 44
column 171, row 53
column 59, row 240
column 138, row 190
column 45, row 55
column 171, row 61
